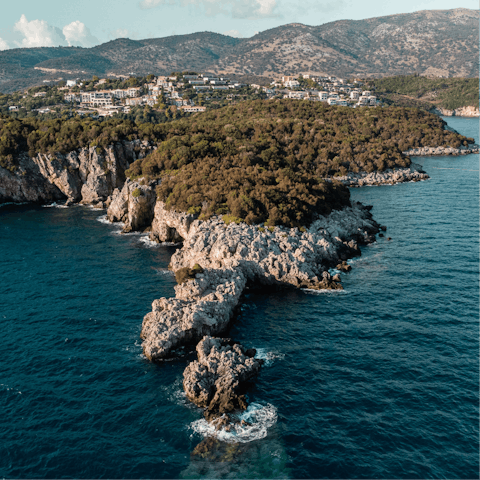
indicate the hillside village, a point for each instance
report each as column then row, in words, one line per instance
column 178, row 94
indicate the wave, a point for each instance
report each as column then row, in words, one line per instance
column 324, row 291
column 259, row 417
column 105, row 220
column 268, row 357
column 54, row 205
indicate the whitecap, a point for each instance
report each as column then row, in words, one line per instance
column 164, row 271
column 147, row 242
column 323, row 291
column 104, row 219
column 334, row 271
column 260, row 417
column 54, row 205
column 268, row 357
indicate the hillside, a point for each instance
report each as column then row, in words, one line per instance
column 432, row 43
column 256, row 161
column 427, row 93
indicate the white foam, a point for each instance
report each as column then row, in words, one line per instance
column 147, row 242
column 54, row 205
column 268, row 357
column 104, row 219
column 261, row 418
column 325, row 291
column 164, row 271
column 333, row 271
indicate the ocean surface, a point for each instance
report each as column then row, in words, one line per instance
column 378, row 381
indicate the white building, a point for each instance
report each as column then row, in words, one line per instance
column 332, row 101
column 192, row 109
column 292, row 83
column 71, row 83
column 354, row 95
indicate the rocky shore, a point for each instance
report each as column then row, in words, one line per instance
column 414, row 173
column 87, row 176
column 442, row 151
column 470, row 111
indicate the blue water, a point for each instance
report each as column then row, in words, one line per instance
column 381, row 381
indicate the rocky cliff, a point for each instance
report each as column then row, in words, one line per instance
column 470, row 111
column 88, row 176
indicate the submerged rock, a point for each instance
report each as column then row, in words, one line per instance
column 215, row 380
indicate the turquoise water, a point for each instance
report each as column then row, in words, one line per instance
column 380, row 381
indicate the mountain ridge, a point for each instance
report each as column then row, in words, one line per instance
column 442, row 43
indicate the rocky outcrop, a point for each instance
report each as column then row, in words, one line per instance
column 88, row 175
column 442, row 151
column 170, row 226
column 470, row 111
column 215, row 380
column 232, row 255
column 414, row 173
column 133, row 205
column 203, row 306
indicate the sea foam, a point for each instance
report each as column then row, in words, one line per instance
column 260, row 417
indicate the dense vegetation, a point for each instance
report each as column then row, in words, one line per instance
column 34, row 136
column 449, row 93
column 265, row 161
column 258, row 161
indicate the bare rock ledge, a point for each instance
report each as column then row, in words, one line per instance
column 216, row 379
column 235, row 254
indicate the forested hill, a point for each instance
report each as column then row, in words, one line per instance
column 256, row 161
column 432, row 43
column 427, row 93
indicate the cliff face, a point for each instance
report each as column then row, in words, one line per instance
column 87, row 176
column 470, row 111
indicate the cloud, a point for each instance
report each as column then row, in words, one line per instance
column 233, row 8
column 38, row 33
column 3, row 44
column 78, row 35
column 123, row 33
column 233, row 33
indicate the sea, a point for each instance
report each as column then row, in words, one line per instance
column 380, row 380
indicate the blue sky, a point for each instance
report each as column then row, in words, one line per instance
column 32, row 23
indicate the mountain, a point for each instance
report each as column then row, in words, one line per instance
column 442, row 43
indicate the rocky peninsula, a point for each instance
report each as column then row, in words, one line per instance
column 260, row 202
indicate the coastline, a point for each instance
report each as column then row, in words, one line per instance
column 232, row 256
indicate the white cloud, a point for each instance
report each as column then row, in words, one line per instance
column 38, row 33
column 123, row 33
column 233, row 33
column 78, row 35
column 234, row 8
column 3, row 45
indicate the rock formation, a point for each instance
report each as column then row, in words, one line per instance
column 133, row 205
column 232, row 255
column 88, row 175
column 470, row 111
column 215, row 380
column 414, row 173
column 443, row 151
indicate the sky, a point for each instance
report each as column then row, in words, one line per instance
column 34, row 23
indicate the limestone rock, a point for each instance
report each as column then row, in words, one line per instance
column 414, row 173
column 133, row 205
column 234, row 254
column 168, row 225
column 215, row 380
column 88, row 175
column 203, row 306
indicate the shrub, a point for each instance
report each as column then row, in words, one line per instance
column 182, row 275
column 136, row 193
